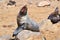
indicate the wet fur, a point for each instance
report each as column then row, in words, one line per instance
column 24, row 22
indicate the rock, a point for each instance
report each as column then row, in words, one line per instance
column 5, row 37
column 45, row 23
column 0, row 0
column 24, row 35
column 11, row 3
column 50, row 31
column 30, row 1
column 43, row 3
column 29, row 35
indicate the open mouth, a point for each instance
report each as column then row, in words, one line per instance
column 23, row 11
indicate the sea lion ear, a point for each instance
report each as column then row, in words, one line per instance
column 56, row 9
column 24, row 8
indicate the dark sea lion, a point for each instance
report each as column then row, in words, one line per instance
column 55, row 16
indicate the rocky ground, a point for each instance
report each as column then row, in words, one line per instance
column 8, row 23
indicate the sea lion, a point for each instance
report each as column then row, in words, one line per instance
column 55, row 16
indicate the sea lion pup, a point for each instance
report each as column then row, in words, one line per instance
column 24, row 22
column 55, row 16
